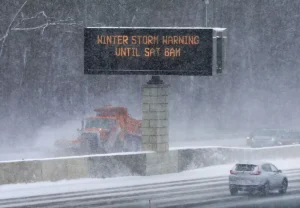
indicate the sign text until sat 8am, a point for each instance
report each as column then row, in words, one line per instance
column 147, row 45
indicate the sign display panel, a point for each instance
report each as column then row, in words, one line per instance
column 149, row 51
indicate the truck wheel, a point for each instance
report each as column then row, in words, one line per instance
column 136, row 144
column 93, row 145
column 133, row 144
column 85, row 148
column 119, row 145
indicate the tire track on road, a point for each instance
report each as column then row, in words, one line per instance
column 189, row 192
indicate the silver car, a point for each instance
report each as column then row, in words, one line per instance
column 257, row 176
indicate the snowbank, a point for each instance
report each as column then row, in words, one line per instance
column 134, row 163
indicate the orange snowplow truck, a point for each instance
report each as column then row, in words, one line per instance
column 111, row 130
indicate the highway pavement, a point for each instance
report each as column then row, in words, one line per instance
column 202, row 192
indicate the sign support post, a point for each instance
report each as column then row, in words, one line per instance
column 155, row 123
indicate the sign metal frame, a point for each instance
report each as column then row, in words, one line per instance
column 217, row 56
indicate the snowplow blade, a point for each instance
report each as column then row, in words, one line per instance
column 68, row 147
column 67, row 143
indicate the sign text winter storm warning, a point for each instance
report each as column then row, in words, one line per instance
column 147, row 45
column 148, row 51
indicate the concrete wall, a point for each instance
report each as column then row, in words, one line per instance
column 162, row 163
column 67, row 168
column 97, row 166
column 141, row 163
column 20, row 172
column 43, row 170
column 196, row 158
column 116, row 165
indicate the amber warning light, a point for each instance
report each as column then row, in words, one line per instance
column 153, row 51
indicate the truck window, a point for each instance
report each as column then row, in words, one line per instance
column 100, row 123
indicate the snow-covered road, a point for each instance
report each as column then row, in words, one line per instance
column 202, row 187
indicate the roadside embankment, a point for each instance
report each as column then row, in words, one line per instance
column 135, row 163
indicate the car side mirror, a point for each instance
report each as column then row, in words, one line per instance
column 279, row 171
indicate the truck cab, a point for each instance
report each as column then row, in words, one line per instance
column 100, row 135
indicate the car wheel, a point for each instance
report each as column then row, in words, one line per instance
column 251, row 193
column 266, row 189
column 234, row 191
column 284, row 186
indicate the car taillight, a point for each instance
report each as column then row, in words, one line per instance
column 232, row 172
column 258, row 172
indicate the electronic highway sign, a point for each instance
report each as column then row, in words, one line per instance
column 188, row 51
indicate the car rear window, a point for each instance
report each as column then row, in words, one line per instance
column 245, row 167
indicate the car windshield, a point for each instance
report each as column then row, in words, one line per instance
column 100, row 123
column 245, row 167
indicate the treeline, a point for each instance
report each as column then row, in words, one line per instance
column 41, row 65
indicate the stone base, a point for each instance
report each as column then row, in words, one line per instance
column 155, row 127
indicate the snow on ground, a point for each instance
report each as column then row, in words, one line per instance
column 231, row 147
column 230, row 142
column 78, row 156
column 46, row 136
column 39, row 153
column 46, row 152
column 43, row 188
column 140, row 152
